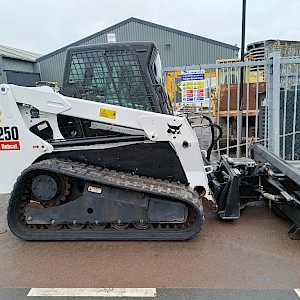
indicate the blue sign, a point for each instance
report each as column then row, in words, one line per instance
column 192, row 77
column 200, row 98
column 187, row 99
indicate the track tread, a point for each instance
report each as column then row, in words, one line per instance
column 163, row 188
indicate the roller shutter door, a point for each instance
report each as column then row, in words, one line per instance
column 22, row 78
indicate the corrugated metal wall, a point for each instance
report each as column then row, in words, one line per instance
column 2, row 75
column 51, row 69
column 176, row 49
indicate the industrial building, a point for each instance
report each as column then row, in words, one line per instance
column 177, row 48
column 18, row 66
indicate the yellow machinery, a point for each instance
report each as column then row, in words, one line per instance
column 171, row 84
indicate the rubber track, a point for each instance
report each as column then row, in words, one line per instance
column 164, row 189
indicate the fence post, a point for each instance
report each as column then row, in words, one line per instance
column 274, row 104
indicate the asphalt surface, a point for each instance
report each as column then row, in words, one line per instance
column 182, row 294
column 252, row 255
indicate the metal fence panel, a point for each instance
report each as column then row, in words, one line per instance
column 271, row 105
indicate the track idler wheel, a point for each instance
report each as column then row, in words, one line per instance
column 141, row 225
column 120, row 226
column 75, row 226
column 54, row 226
column 98, row 226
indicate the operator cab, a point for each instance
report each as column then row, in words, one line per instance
column 124, row 74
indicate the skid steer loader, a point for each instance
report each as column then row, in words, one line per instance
column 108, row 159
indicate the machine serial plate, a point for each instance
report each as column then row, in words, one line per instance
column 95, row 189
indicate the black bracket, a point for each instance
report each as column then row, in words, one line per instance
column 229, row 197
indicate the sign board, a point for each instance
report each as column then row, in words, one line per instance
column 192, row 86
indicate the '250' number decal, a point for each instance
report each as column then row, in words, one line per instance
column 9, row 133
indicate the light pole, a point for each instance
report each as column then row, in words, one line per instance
column 243, row 31
column 241, row 88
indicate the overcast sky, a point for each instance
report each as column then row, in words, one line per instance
column 43, row 26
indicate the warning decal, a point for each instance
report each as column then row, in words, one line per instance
column 107, row 113
column 9, row 146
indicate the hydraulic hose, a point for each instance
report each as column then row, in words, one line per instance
column 213, row 139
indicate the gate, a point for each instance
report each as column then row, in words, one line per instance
column 269, row 105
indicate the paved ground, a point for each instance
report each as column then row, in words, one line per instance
column 171, row 294
column 253, row 253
